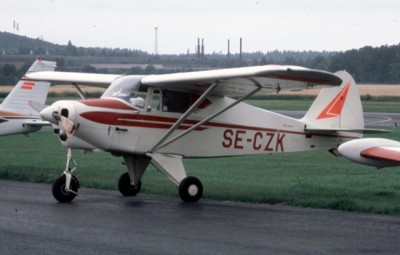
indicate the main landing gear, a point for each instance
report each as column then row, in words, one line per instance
column 65, row 188
column 125, row 186
column 190, row 189
column 129, row 184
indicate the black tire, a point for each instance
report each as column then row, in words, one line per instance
column 59, row 192
column 125, row 186
column 190, row 189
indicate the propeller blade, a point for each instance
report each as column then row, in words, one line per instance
column 68, row 125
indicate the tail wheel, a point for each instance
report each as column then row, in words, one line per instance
column 59, row 192
column 190, row 189
column 125, row 186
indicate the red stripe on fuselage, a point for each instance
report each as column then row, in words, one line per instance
column 151, row 121
column 135, row 120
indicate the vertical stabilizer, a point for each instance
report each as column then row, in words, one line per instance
column 337, row 107
column 25, row 91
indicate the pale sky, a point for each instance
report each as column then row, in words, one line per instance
column 264, row 25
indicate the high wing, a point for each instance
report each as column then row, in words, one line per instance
column 231, row 82
column 239, row 81
column 93, row 79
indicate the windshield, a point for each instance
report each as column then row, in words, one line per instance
column 126, row 88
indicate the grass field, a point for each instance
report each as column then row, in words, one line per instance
column 301, row 179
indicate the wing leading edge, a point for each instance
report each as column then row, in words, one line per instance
column 93, row 79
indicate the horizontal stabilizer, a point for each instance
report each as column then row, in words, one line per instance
column 350, row 130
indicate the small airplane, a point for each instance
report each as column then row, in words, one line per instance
column 377, row 152
column 161, row 119
column 17, row 115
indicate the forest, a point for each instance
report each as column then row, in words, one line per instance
column 367, row 65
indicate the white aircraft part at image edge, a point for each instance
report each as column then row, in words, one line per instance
column 17, row 116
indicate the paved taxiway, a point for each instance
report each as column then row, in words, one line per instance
column 103, row 222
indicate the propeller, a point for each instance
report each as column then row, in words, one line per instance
column 62, row 126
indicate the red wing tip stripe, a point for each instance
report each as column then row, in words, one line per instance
column 381, row 154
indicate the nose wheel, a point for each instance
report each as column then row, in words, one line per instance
column 65, row 188
column 60, row 191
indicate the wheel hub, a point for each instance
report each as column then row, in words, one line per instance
column 193, row 190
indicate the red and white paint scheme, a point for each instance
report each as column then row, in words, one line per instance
column 165, row 118
column 377, row 152
column 17, row 113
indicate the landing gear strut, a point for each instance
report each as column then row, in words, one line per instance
column 65, row 188
column 129, row 184
column 189, row 187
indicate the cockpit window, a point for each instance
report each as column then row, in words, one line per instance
column 126, row 88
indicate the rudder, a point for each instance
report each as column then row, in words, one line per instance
column 337, row 107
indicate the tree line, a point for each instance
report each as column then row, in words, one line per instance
column 366, row 65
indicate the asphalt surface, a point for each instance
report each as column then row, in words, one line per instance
column 103, row 222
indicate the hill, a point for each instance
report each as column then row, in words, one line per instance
column 367, row 64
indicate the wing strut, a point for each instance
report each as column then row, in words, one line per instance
column 185, row 115
column 79, row 90
column 258, row 88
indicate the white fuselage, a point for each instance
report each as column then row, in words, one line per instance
column 116, row 126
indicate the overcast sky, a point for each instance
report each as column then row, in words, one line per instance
column 264, row 25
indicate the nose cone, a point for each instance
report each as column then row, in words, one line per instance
column 50, row 114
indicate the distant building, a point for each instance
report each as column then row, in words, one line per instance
column 113, row 67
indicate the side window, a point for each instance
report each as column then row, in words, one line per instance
column 155, row 102
column 175, row 101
